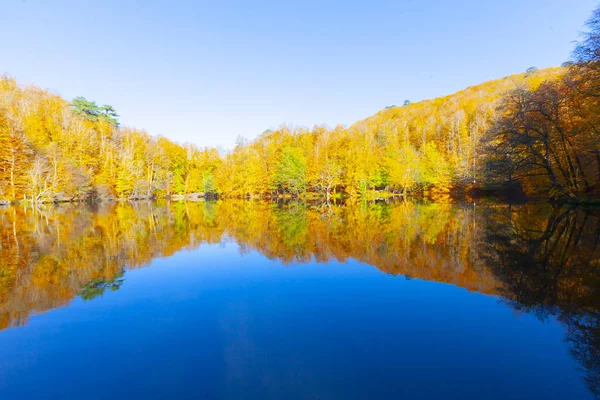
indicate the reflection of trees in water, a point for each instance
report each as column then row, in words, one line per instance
column 548, row 262
column 541, row 260
column 583, row 332
column 50, row 255
column 98, row 286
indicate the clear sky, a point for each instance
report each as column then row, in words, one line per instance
column 207, row 72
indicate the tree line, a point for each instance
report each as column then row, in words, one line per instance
column 537, row 130
column 52, row 150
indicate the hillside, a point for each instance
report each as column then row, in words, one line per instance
column 52, row 150
column 454, row 124
column 433, row 143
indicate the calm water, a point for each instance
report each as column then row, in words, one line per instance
column 256, row 300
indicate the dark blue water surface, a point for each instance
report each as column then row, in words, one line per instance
column 230, row 315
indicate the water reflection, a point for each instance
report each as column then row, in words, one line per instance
column 49, row 255
column 541, row 260
column 547, row 263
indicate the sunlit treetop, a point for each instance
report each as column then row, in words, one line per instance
column 92, row 112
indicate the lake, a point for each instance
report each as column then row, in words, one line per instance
column 258, row 300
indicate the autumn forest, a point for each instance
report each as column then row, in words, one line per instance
column 535, row 132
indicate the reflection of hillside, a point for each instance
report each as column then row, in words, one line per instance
column 432, row 242
column 50, row 255
column 549, row 264
column 47, row 256
column 540, row 260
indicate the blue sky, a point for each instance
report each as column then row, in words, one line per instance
column 207, row 72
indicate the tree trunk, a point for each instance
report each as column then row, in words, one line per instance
column 12, row 175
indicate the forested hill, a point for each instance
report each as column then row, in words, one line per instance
column 470, row 102
column 441, row 140
column 538, row 130
column 55, row 150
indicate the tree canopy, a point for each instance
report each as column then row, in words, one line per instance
column 90, row 111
